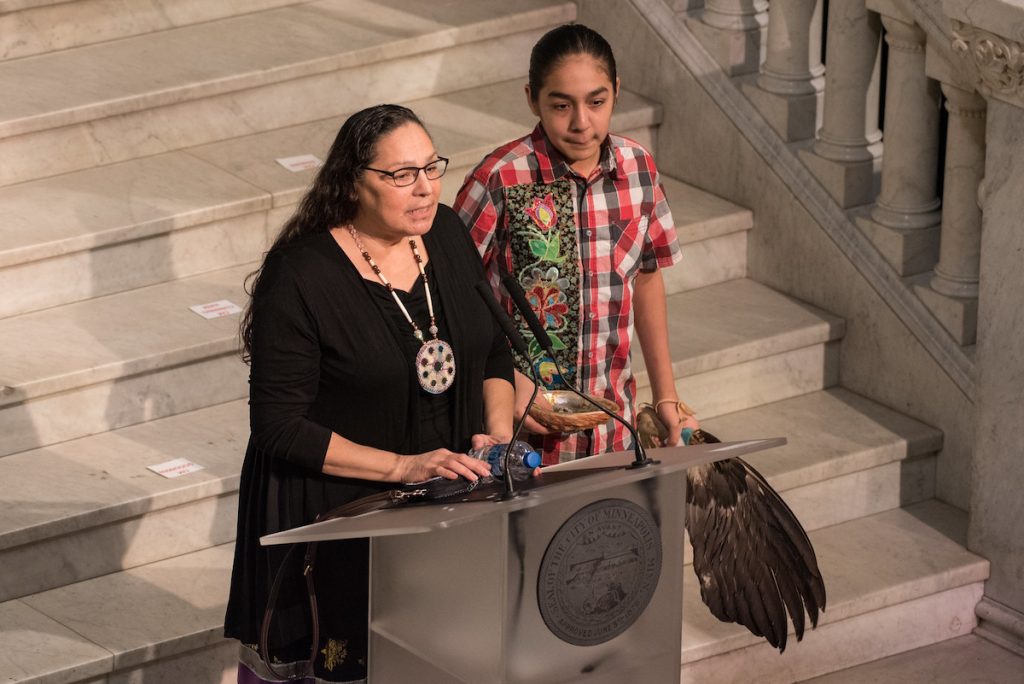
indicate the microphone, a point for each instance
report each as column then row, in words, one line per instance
column 504, row 322
column 519, row 344
column 541, row 335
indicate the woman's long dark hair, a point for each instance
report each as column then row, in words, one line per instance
column 331, row 201
column 566, row 41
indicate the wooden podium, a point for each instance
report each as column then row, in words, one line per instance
column 578, row 580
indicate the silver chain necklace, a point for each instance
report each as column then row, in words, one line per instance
column 435, row 360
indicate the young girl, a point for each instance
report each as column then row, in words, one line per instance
column 579, row 217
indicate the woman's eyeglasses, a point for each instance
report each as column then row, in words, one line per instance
column 407, row 175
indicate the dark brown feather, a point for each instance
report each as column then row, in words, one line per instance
column 753, row 559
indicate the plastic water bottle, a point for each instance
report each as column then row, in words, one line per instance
column 521, row 461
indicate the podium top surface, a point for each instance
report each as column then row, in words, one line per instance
column 581, row 476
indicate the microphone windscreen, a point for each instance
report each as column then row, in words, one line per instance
column 484, row 290
column 526, row 311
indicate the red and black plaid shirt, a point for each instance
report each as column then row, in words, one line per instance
column 624, row 226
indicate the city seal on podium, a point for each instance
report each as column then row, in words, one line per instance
column 599, row 572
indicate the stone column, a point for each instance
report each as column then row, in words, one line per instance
column 732, row 31
column 788, row 91
column 847, row 155
column 997, row 464
column 957, row 271
column 904, row 222
column 793, row 59
column 987, row 48
column 952, row 294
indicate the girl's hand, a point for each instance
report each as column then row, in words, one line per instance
column 441, row 462
column 676, row 417
column 669, row 415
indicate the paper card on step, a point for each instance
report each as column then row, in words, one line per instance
column 221, row 307
column 175, row 468
column 300, row 163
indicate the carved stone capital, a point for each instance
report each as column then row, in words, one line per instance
column 998, row 61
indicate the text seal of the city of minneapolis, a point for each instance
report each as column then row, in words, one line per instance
column 599, row 572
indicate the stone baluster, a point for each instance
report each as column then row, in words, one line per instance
column 731, row 30
column 734, row 14
column 788, row 91
column 846, row 158
column 952, row 294
column 904, row 221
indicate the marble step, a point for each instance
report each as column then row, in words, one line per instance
column 33, row 27
column 193, row 85
column 901, row 564
column 847, row 457
column 93, row 503
column 53, row 398
column 712, row 237
column 104, row 363
column 173, row 215
column 963, row 659
column 739, row 344
column 896, row 581
column 156, row 623
column 113, row 361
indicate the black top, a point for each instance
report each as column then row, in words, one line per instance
column 435, row 418
column 328, row 357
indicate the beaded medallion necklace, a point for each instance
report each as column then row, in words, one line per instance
column 435, row 360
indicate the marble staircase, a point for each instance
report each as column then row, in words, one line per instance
column 32, row 27
column 147, row 183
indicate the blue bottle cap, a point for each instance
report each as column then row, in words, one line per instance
column 532, row 459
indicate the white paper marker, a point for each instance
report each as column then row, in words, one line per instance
column 300, row 163
column 221, row 307
column 175, row 468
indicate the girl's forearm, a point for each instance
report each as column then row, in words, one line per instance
column 651, row 324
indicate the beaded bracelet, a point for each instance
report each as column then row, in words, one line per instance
column 682, row 406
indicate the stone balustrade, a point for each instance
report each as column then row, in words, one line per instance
column 960, row 248
column 732, row 31
column 935, row 58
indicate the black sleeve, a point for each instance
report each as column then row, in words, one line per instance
column 499, row 359
column 285, row 372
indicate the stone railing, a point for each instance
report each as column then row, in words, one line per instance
column 958, row 53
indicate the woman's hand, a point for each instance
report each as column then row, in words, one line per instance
column 441, row 462
column 524, row 388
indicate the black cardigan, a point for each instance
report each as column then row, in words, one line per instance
column 326, row 358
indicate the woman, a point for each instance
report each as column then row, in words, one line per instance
column 373, row 361
column 579, row 217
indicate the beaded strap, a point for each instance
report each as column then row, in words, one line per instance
column 383, row 279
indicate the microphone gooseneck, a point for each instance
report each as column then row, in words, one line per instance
column 514, row 290
column 519, row 344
